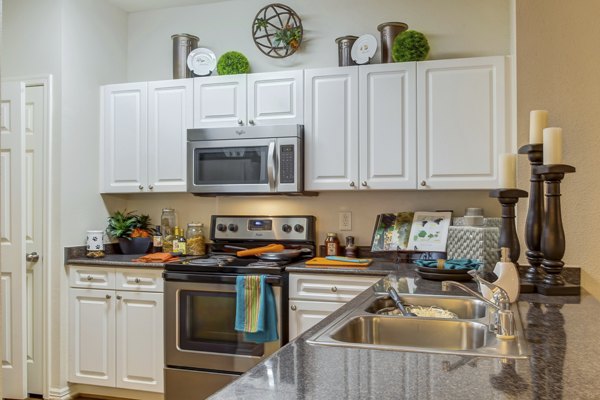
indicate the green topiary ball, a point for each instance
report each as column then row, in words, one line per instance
column 410, row 46
column 233, row 62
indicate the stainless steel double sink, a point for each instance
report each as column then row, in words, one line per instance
column 362, row 327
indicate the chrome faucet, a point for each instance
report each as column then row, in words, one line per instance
column 504, row 326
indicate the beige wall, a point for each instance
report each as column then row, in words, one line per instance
column 557, row 69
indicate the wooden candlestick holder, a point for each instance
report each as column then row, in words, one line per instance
column 535, row 214
column 508, row 198
column 553, row 234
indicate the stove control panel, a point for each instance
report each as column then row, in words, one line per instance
column 284, row 228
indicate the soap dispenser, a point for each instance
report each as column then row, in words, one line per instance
column 508, row 277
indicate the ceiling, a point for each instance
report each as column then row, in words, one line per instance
column 142, row 5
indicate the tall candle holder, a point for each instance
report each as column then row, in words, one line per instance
column 508, row 198
column 553, row 234
column 535, row 214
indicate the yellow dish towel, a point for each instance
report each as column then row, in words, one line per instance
column 335, row 263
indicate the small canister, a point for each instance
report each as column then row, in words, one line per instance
column 389, row 31
column 344, row 48
column 94, row 244
column 183, row 44
column 350, row 250
column 195, row 239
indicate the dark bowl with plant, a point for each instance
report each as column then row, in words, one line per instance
column 410, row 46
column 133, row 231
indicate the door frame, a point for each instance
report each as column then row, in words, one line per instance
column 47, row 195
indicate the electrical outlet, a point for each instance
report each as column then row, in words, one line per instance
column 345, row 219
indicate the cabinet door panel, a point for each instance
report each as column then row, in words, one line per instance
column 170, row 105
column 461, row 122
column 334, row 287
column 276, row 98
column 139, row 335
column 219, row 101
column 124, row 137
column 331, row 128
column 305, row 314
column 92, row 336
column 388, row 140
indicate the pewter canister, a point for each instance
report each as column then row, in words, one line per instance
column 344, row 48
column 183, row 43
column 389, row 31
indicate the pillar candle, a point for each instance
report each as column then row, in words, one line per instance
column 552, row 146
column 508, row 171
column 538, row 120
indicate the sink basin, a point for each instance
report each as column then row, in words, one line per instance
column 360, row 327
column 412, row 332
column 463, row 307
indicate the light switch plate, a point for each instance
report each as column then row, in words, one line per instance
column 345, row 220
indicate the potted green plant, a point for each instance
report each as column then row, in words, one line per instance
column 133, row 231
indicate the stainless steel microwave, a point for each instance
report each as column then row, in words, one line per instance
column 246, row 160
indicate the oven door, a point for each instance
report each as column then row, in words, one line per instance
column 199, row 326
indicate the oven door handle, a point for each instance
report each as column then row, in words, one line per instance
column 211, row 278
column 271, row 165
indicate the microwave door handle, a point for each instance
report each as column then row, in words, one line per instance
column 271, row 165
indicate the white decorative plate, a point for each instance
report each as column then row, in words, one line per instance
column 363, row 49
column 202, row 61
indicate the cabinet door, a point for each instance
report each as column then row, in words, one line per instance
column 139, row 336
column 331, row 128
column 388, row 128
column 220, row 101
column 170, row 112
column 275, row 98
column 330, row 287
column 461, row 122
column 305, row 314
column 124, row 134
column 92, row 336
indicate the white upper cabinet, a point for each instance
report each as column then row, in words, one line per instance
column 462, row 124
column 387, row 115
column 144, row 134
column 272, row 98
column 360, row 127
column 331, row 128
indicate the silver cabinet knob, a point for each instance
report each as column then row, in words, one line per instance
column 352, row 184
column 364, row 183
column 423, row 183
column 32, row 257
column 137, row 280
column 240, row 122
column 141, row 187
column 89, row 278
column 251, row 122
column 108, row 296
column 293, row 308
column 119, row 297
column 150, row 187
column 334, row 289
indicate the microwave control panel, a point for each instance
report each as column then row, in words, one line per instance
column 286, row 163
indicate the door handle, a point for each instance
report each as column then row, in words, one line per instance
column 271, row 165
column 32, row 257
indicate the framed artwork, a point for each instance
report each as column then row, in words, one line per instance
column 391, row 231
column 429, row 231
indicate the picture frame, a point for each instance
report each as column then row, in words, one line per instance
column 429, row 231
column 391, row 232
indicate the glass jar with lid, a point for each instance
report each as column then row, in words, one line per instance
column 332, row 245
column 195, row 239
column 168, row 221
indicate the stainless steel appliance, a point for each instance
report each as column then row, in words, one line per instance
column 246, row 160
column 203, row 352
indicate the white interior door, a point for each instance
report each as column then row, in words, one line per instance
column 34, row 160
column 12, row 251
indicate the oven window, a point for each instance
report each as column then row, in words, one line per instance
column 207, row 321
column 230, row 165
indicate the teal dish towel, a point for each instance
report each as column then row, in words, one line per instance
column 256, row 311
column 457, row 263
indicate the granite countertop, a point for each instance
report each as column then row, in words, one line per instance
column 76, row 255
column 562, row 333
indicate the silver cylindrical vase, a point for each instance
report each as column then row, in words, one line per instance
column 183, row 44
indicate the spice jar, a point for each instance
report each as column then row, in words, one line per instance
column 332, row 245
column 195, row 239
column 350, row 250
column 94, row 244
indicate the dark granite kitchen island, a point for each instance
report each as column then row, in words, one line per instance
column 562, row 333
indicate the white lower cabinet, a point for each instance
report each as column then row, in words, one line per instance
column 116, row 335
column 314, row 296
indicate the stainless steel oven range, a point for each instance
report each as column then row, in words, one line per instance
column 203, row 352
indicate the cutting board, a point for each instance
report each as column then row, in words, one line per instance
column 322, row 261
